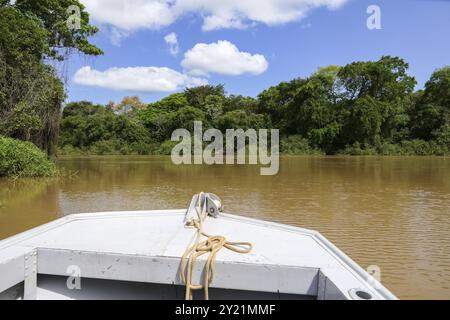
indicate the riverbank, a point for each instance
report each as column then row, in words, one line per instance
column 293, row 145
column 23, row 159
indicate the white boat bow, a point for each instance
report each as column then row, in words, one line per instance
column 137, row 255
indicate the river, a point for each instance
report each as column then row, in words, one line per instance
column 392, row 212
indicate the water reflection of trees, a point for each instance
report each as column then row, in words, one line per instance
column 27, row 203
column 18, row 191
column 308, row 186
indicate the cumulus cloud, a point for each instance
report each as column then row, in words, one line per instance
column 222, row 57
column 137, row 79
column 216, row 14
column 172, row 41
column 116, row 36
column 131, row 14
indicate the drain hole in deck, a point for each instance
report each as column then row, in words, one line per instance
column 364, row 295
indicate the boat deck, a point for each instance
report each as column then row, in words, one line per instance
column 146, row 247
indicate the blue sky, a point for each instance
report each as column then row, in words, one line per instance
column 415, row 30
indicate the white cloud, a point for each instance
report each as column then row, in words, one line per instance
column 138, row 79
column 131, row 14
column 216, row 14
column 220, row 14
column 117, row 35
column 172, row 40
column 222, row 57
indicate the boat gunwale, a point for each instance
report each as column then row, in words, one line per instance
column 330, row 248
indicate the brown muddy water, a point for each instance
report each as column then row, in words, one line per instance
column 390, row 212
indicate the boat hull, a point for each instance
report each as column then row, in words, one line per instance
column 144, row 249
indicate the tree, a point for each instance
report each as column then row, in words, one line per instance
column 129, row 106
column 275, row 101
column 240, row 119
column 157, row 117
column 171, row 103
column 85, row 125
column 213, row 107
column 30, row 104
column 366, row 120
column 238, row 102
column 362, row 108
column 81, row 108
column 375, row 95
column 196, row 97
column 432, row 109
column 30, row 91
column 184, row 119
column 437, row 89
column 312, row 104
column 22, row 39
column 54, row 16
column 385, row 79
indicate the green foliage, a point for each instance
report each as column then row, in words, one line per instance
column 53, row 16
column 442, row 136
column 69, row 150
column 31, row 93
column 82, row 108
column 297, row 145
column 166, row 147
column 325, row 138
column 404, row 148
column 241, row 119
column 364, row 108
column 30, row 104
column 23, row 40
column 185, row 117
column 197, row 96
column 213, row 107
column 437, row 89
column 357, row 149
column 158, row 117
column 233, row 103
column 98, row 130
column 104, row 147
column 171, row 103
column 385, row 79
column 23, row 159
column 275, row 101
column 422, row 148
column 431, row 112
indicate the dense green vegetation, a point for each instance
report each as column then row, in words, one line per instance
column 23, row 159
column 99, row 130
column 364, row 108
column 33, row 34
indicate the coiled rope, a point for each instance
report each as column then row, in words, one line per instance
column 212, row 245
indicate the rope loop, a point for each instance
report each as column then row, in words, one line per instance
column 211, row 246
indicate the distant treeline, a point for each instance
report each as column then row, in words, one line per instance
column 363, row 108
